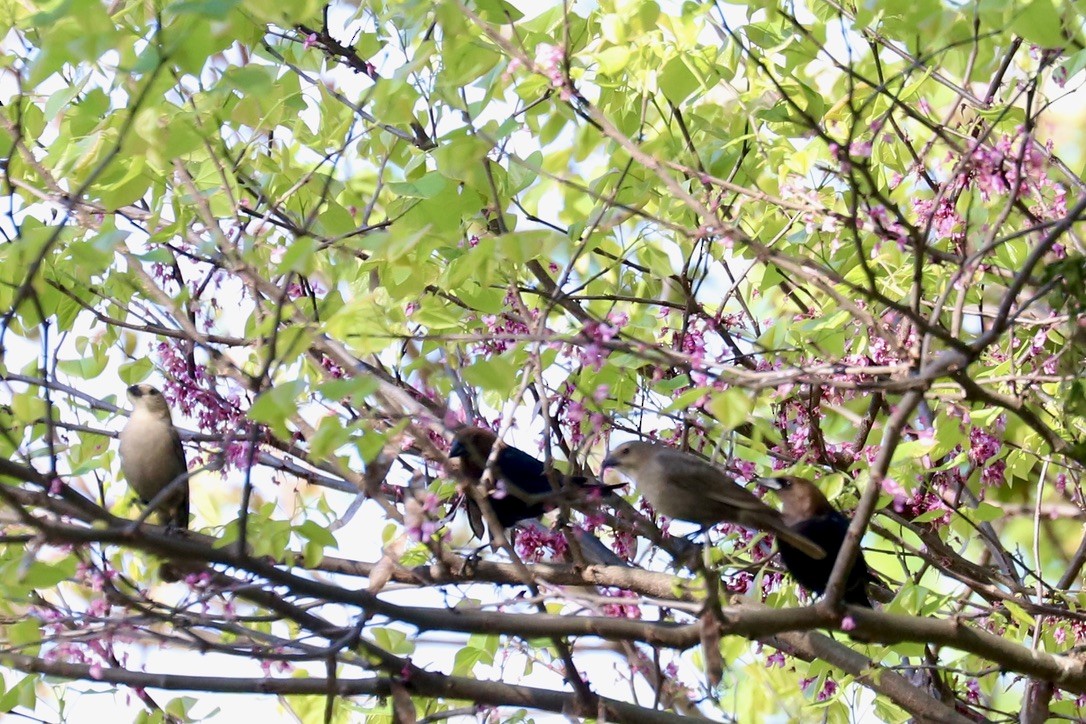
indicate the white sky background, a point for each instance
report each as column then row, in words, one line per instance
column 360, row 539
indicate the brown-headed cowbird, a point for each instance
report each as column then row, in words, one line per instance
column 681, row 485
column 524, row 477
column 151, row 454
column 807, row 512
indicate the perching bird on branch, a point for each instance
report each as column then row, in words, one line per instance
column 681, row 485
column 807, row 512
column 152, row 457
column 527, row 486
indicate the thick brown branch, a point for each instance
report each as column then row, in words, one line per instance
column 491, row 693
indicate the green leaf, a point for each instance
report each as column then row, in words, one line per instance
column 47, row 575
column 277, row 405
column 985, row 513
column 676, row 80
column 132, row 373
column 496, row 373
column 86, row 368
column 317, row 533
column 468, row 657
column 392, row 640
column 426, row 187
column 732, row 407
column 22, row 694
column 1039, row 23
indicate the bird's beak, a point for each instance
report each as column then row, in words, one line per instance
column 457, row 450
column 608, row 462
column 134, row 391
column 769, row 483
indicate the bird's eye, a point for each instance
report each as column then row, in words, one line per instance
column 153, row 391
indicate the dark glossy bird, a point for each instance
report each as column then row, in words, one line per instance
column 681, row 485
column 807, row 512
column 527, row 486
column 152, row 457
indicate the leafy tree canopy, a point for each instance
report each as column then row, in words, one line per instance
column 839, row 240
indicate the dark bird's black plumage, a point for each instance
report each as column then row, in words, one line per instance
column 807, row 512
column 525, row 478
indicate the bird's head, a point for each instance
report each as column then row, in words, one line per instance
column 629, row 457
column 473, row 445
column 148, row 398
column 801, row 498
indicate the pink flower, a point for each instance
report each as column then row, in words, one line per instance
column 514, row 65
column 550, row 59
column 894, row 489
column 534, row 544
column 619, row 610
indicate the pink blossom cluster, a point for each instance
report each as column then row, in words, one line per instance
column 741, row 582
column 94, row 578
column 193, row 393
column 940, row 213
column 845, row 154
column 624, row 544
column 572, row 413
column 504, row 325
column 972, row 691
column 1038, row 354
column 799, row 441
column 419, row 518
column 334, row 370
column 550, row 61
column 535, row 544
column 618, row 609
column 1012, row 164
column 596, row 335
column 920, row 500
column 275, row 666
column 95, row 652
column 887, row 227
column 776, row 659
column 829, row 687
column 984, row 445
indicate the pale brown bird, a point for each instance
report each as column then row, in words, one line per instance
column 681, row 485
column 151, row 454
column 807, row 512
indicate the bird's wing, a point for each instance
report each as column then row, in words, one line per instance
column 181, row 513
column 699, row 476
column 594, row 551
column 179, row 451
column 475, row 518
column 522, row 470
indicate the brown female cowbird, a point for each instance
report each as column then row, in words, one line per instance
column 807, row 512
column 526, row 483
column 152, row 458
column 681, row 485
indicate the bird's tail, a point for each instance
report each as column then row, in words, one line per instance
column 181, row 514
column 592, row 484
column 801, row 542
